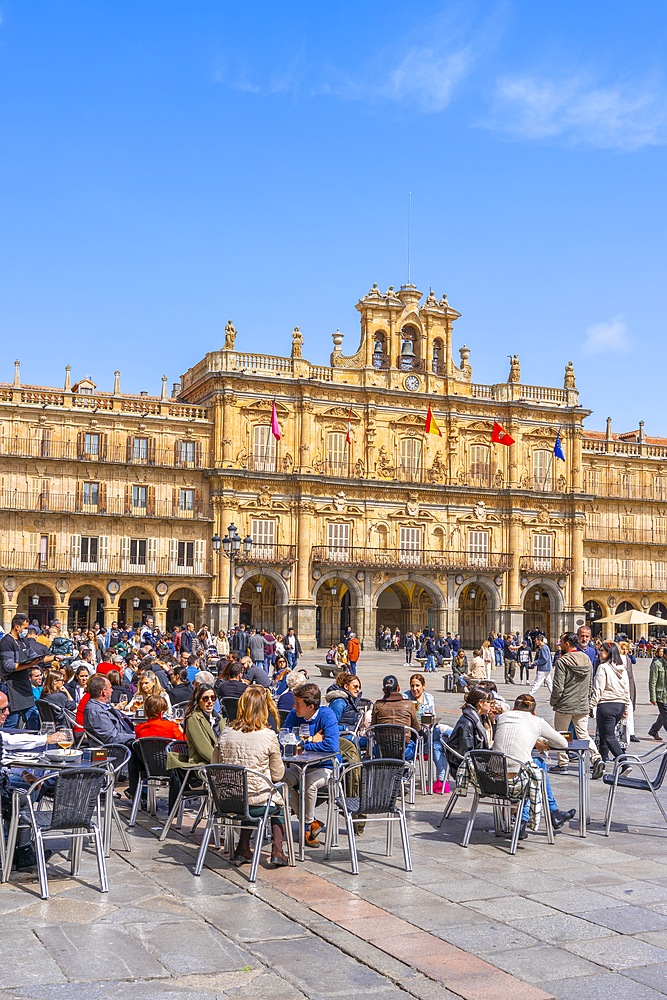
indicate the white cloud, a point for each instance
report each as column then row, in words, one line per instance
column 611, row 337
column 427, row 77
column 579, row 112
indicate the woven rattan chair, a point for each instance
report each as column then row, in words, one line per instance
column 186, row 791
column 152, row 752
column 228, row 802
column 387, row 740
column 76, row 814
column 381, row 799
column 643, row 784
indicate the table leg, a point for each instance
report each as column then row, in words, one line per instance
column 429, row 763
column 581, row 765
column 587, row 783
column 302, row 813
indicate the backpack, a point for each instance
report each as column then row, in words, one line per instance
column 60, row 646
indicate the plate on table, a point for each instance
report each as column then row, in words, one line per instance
column 25, row 757
column 63, row 756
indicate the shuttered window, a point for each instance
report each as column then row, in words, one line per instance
column 479, row 464
column 478, row 548
column 336, row 456
column 263, row 449
column 410, row 456
column 338, row 540
column 542, row 552
column 411, row 545
column 592, row 573
column 659, row 575
column 627, row 572
column 541, row 469
column 263, row 534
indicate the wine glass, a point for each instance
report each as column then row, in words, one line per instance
column 284, row 736
column 64, row 738
column 122, row 703
column 46, row 728
column 304, row 731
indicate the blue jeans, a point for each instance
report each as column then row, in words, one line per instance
column 30, row 718
column 429, row 666
column 352, row 667
column 499, row 657
column 553, row 805
column 268, row 663
column 291, row 658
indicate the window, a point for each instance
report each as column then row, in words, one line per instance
column 660, row 488
column 411, row 544
column 627, row 484
column 659, row 575
column 592, row 574
column 263, row 534
column 89, row 548
column 338, row 539
column 627, row 567
column 541, row 469
column 91, row 445
column 411, row 449
column 140, row 449
column 593, row 481
column 336, row 457
column 139, row 494
column 436, row 363
column 542, row 552
column 594, row 525
column 186, row 555
column 186, row 500
column 478, row 548
column 91, row 493
column 187, row 452
column 479, row 464
column 628, row 527
column 660, row 529
column 137, row 551
column 263, row 449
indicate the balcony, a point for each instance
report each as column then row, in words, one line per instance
column 268, row 554
column 545, row 565
column 116, row 454
column 30, row 562
column 636, row 536
column 363, row 557
column 68, row 503
column 616, row 581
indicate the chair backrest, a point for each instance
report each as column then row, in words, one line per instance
column 388, row 739
column 179, row 747
column 662, row 771
column 380, row 785
column 117, row 755
column 75, row 797
column 228, row 784
column 491, row 771
column 283, row 713
column 229, row 707
column 48, row 712
column 153, row 752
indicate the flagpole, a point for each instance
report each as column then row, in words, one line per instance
column 551, row 458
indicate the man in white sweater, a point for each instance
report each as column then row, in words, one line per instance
column 517, row 734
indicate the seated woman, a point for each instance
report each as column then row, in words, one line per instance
column 281, row 672
column 477, row 671
column 77, row 685
column 294, row 679
column 201, row 724
column 148, row 684
column 56, row 694
column 460, row 669
column 249, row 742
column 423, row 699
column 425, row 704
column 393, row 709
column 155, row 725
column 120, row 695
column 343, row 699
column 469, row 733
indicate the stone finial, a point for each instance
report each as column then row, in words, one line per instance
column 17, row 373
column 68, row 378
column 163, row 394
column 515, row 368
column 569, row 381
column 116, row 383
column 337, row 338
column 230, row 336
column 641, row 436
column 465, row 354
column 297, row 342
column 609, row 433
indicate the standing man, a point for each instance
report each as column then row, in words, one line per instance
column 352, row 653
column 657, row 686
column 188, row 639
column 16, row 659
column 293, row 648
column 585, row 644
column 239, row 641
column 256, row 648
column 509, row 657
column 146, row 634
column 543, row 664
column 571, row 699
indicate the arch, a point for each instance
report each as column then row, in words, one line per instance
column 492, row 591
column 44, row 610
column 352, row 585
column 336, row 611
column 193, row 610
column 276, row 579
column 127, row 613
column 660, row 611
column 36, row 586
column 551, row 588
column 593, row 611
column 476, row 619
column 624, row 606
column 84, row 614
column 406, row 605
column 431, row 588
column 201, row 596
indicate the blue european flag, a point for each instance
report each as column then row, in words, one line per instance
column 558, row 448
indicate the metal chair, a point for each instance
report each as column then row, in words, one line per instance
column 454, row 795
column 180, row 748
column 152, row 752
column 230, row 707
column 117, row 757
column 381, row 799
column 283, row 713
column 387, row 740
column 228, row 801
column 644, row 784
column 50, row 713
column 76, row 814
column 492, row 777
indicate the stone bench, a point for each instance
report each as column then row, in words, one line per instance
column 328, row 669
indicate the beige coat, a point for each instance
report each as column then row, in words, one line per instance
column 259, row 751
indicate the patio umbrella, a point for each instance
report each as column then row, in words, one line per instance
column 632, row 618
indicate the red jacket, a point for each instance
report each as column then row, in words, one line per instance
column 159, row 727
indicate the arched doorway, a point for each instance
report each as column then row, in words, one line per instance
column 37, row 602
column 624, row 606
column 86, row 606
column 474, row 618
column 537, row 611
column 333, row 614
column 134, row 605
column 260, row 604
column 183, row 606
column 660, row 611
column 407, row 606
column 593, row 611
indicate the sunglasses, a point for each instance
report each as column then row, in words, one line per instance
column 207, row 697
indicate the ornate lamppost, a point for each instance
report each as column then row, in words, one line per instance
column 231, row 546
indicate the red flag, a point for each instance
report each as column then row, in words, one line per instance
column 431, row 426
column 348, row 436
column 499, row 436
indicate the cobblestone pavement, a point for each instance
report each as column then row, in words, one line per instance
column 580, row 919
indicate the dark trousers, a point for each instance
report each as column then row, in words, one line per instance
column 510, row 671
column 661, row 721
column 608, row 715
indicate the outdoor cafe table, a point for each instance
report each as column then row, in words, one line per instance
column 304, row 761
column 582, row 748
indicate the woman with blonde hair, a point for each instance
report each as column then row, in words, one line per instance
column 489, row 657
column 249, row 742
column 148, row 685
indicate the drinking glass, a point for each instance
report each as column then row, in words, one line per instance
column 64, row 738
column 46, row 728
column 283, row 736
column 304, row 732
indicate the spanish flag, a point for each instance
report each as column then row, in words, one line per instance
column 431, row 426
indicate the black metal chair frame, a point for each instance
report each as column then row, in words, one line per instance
column 77, row 826
column 180, row 747
column 384, row 808
column 644, row 784
column 153, row 778
column 229, row 706
column 240, row 818
column 389, row 729
column 118, row 756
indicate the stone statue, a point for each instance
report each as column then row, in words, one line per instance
column 444, row 304
column 297, row 342
column 561, row 483
column 569, row 381
column 437, row 472
column 515, row 368
column 431, row 300
column 230, row 336
column 287, row 463
column 375, row 292
column 384, row 466
column 359, row 468
column 499, row 479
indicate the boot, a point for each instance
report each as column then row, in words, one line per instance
column 243, row 853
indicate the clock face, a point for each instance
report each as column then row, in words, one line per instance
column 412, row 383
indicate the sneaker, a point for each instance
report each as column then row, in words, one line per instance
column 310, row 837
column 634, row 739
column 626, row 769
column 437, row 787
column 558, row 769
column 315, row 827
column 598, row 769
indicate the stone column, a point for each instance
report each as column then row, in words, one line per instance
column 577, row 577
column 160, row 616
column 110, row 615
column 303, row 605
column 9, row 609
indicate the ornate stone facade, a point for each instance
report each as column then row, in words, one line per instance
column 109, row 502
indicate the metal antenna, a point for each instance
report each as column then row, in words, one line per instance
column 409, row 229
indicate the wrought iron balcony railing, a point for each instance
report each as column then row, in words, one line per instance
column 69, row 503
column 365, row 556
column 545, row 565
column 263, row 554
column 29, row 562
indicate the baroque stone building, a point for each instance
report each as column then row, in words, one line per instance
column 109, row 501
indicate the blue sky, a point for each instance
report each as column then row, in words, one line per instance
column 166, row 166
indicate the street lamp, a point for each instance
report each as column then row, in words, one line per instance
column 231, row 546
